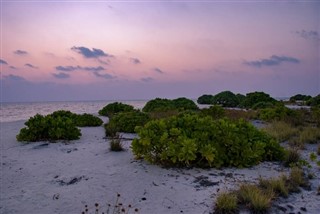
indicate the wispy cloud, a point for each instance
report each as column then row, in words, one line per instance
column 3, row 62
column 12, row 77
column 78, row 67
column 12, row 67
column 20, row 52
column 158, row 70
column 30, row 66
column 87, row 53
column 309, row 35
column 146, row 79
column 61, row 75
column 105, row 75
column 272, row 61
column 135, row 60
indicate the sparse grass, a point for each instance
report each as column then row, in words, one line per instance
column 226, row 203
column 257, row 200
column 292, row 157
column 276, row 185
column 116, row 145
column 235, row 114
column 280, row 130
column 309, row 135
column 296, row 179
column 163, row 114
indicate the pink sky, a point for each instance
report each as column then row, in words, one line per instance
column 72, row 50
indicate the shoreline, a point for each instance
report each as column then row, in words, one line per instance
column 63, row 178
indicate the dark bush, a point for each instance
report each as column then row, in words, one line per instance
column 226, row 99
column 40, row 128
column 205, row 99
column 189, row 139
column 215, row 111
column 114, row 108
column 256, row 97
column 314, row 101
column 83, row 120
column 300, row 97
column 163, row 105
column 125, row 122
column 281, row 113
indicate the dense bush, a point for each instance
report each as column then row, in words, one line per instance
column 314, row 101
column 215, row 111
column 205, row 99
column 125, row 122
column 280, row 112
column 50, row 127
column 189, row 139
column 163, row 105
column 83, row 120
column 256, row 97
column 300, row 97
column 114, row 108
column 226, row 99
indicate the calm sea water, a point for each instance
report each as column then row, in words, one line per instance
column 23, row 111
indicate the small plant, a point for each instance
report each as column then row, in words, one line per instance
column 296, row 179
column 309, row 135
column 276, row 185
column 313, row 157
column 116, row 208
column 292, row 157
column 257, row 200
column 116, row 145
column 226, row 203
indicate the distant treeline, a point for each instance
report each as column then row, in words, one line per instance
column 253, row 100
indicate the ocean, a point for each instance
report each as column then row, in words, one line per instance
column 10, row 112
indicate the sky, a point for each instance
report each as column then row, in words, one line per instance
column 127, row 50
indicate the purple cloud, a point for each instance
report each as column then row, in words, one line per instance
column 146, row 79
column 30, row 66
column 87, row 53
column 61, row 75
column 105, row 75
column 12, row 77
column 158, row 70
column 309, row 35
column 135, row 60
column 272, row 61
column 20, row 52
column 78, row 67
column 3, row 62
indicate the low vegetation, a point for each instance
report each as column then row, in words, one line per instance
column 281, row 130
column 192, row 140
column 115, row 108
column 163, row 105
column 125, row 122
column 258, row 198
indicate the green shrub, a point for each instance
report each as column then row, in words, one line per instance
column 280, row 112
column 114, row 108
column 262, row 105
column 189, row 139
column 315, row 115
column 314, row 101
column 236, row 114
column 163, row 105
column 87, row 120
column 226, row 99
column 40, row 128
column 205, row 99
column 215, row 111
column 253, row 98
column 280, row 130
column 226, row 203
column 163, row 114
column 125, row 122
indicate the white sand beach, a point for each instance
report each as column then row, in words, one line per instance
column 63, row 177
